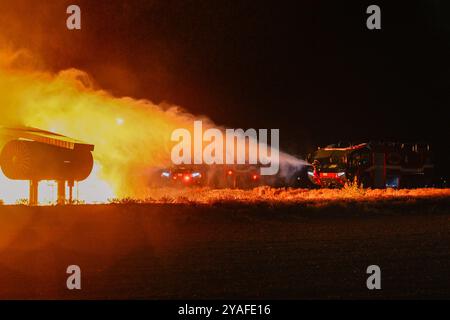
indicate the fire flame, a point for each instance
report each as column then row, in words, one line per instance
column 130, row 136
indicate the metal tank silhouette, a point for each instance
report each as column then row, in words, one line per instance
column 34, row 155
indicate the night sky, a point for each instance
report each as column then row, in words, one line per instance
column 310, row 68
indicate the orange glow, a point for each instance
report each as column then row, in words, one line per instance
column 131, row 137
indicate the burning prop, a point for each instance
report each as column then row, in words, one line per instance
column 130, row 136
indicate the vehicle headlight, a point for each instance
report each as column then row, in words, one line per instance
column 196, row 174
column 310, row 173
column 165, row 174
column 341, row 174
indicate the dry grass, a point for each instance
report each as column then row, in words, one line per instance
column 268, row 195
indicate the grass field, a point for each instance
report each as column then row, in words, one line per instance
column 262, row 243
column 274, row 196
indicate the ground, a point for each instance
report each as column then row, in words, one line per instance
column 229, row 249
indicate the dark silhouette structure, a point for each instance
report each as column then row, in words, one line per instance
column 34, row 155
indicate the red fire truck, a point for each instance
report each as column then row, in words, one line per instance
column 373, row 164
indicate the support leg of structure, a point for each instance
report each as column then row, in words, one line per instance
column 71, row 184
column 61, row 192
column 33, row 200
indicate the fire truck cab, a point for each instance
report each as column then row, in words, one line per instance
column 373, row 164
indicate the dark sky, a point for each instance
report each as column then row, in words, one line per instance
column 310, row 68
